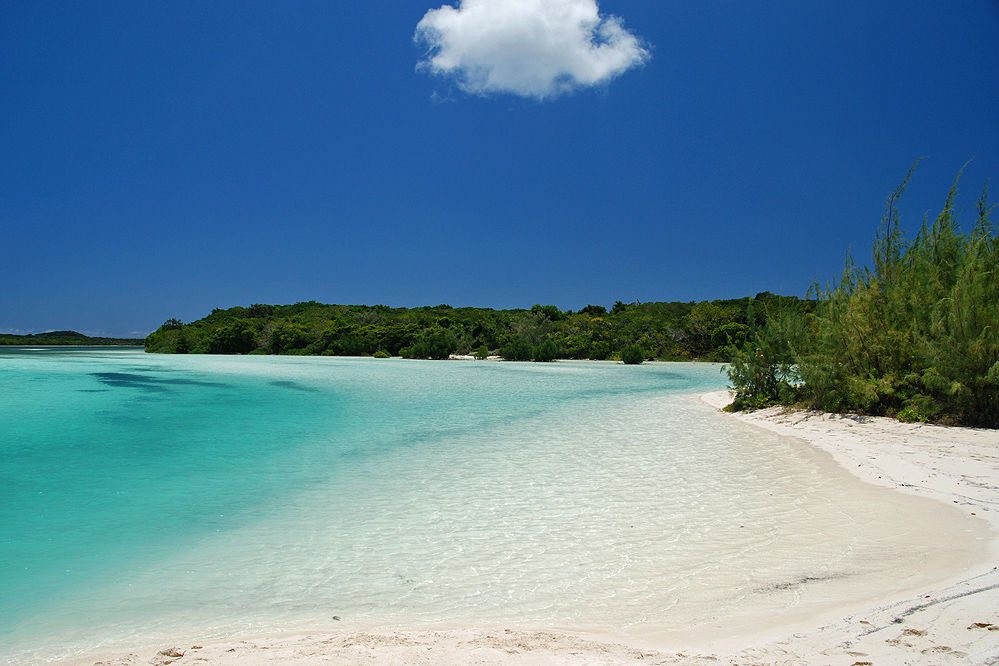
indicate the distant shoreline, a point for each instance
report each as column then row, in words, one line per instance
column 66, row 339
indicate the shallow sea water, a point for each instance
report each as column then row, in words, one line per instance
column 145, row 498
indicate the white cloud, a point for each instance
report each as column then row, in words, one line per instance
column 532, row 48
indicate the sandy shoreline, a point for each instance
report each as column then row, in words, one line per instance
column 954, row 622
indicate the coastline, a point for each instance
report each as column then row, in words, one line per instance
column 956, row 621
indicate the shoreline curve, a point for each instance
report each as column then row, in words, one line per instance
column 955, row 622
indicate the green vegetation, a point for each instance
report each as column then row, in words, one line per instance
column 632, row 355
column 632, row 332
column 917, row 337
column 66, row 338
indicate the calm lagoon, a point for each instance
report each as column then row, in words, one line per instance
column 145, row 498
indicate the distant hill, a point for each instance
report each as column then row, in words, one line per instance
column 66, row 338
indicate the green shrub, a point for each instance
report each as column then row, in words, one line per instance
column 382, row 354
column 517, row 349
column 910, row 415
column 436, row 343
column 546, row 351
column 632, row 354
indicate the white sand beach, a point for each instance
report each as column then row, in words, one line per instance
column 955, row 621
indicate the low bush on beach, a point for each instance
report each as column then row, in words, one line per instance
column 910, row 415
column 917, row 337
column 632, row 355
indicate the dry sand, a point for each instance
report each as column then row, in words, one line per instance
column 954, row 622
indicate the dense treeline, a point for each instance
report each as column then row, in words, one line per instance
column 917, row 337
column 630, row 332
column 65, row 338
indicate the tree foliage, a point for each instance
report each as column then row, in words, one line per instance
column 667, row 331
column 232, row 337
column 916, row 337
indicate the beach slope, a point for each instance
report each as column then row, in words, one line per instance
column 953, row 622
column 956, row 622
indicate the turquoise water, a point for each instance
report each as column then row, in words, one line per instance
column 147, row 497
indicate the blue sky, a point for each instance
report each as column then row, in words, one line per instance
column 160, row 159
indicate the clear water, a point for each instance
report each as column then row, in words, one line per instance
column 145, row 498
